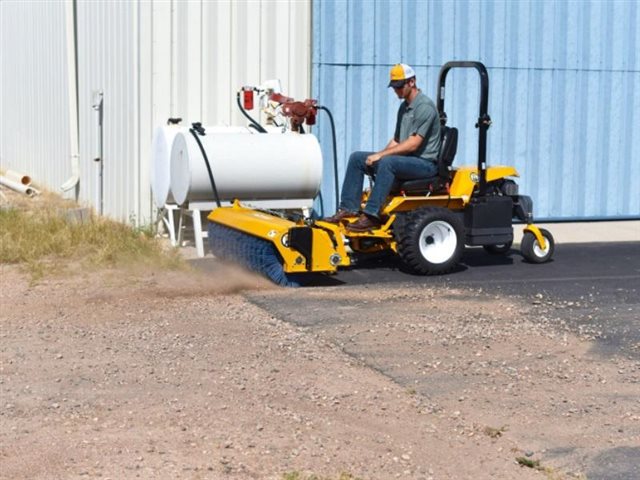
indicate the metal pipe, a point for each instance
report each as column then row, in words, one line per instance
column 97, row 157
column 18, row 187
column 335, row 155
column 72, row 98
column 484, row 121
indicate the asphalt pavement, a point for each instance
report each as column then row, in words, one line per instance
column 605, row 276
column 583, row 266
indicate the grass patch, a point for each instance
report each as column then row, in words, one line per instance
column 494, row 432
column 549, row 472
column 43, row 235
column 526, row 462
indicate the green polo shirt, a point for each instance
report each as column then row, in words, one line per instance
column 420, row 117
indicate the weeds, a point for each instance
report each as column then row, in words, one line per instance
column 550, row 473
column 301, row 476
column 494, row 432
column 41, row 237
column 525, row 462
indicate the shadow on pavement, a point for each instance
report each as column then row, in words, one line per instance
column 622, row 463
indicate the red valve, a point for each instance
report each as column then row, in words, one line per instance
column 279, row 98
column 299, row 112
column 247, row 98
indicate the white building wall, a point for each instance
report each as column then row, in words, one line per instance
column 34, row 117
column 107, row 62
column 152, row 60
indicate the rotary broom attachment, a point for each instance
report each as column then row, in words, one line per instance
column 252, row 253
column 288, row 253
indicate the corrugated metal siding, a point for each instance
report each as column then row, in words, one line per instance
column 152, row 60
column 106, row 57
column 564, row 89
column 205, row 51
column 34, row 126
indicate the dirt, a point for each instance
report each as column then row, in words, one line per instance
column 119, row 374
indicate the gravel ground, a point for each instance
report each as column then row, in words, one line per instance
column 491, row 361
column 129, row 374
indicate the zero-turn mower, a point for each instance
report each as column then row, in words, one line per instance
column 428, row 221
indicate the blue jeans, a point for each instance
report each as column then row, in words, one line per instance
column 386, row 171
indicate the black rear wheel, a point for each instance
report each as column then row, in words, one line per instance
column 432, row 241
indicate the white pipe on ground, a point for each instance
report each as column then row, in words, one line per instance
column 18, row 177
column 18, row 187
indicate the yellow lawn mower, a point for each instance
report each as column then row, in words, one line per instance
column 427, row 223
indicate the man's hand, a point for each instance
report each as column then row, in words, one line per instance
column 373, row 158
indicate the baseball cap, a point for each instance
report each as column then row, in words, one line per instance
column 400, row 73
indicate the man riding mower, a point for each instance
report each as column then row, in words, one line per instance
column 425, row 221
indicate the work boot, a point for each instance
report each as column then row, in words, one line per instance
column 338, row 216
column 364, row 224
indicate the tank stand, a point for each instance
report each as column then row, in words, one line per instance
column 198, row 233
column 167, row 218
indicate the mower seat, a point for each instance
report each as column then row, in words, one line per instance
column 437, row 183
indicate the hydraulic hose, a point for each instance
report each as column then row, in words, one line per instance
column 196, row 130
column 335, row 154
column 253, row 123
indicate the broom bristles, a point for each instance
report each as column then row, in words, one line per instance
column 252, row 253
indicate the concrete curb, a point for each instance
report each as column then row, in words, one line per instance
column 588, row 232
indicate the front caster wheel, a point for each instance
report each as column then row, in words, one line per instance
column 531, row 250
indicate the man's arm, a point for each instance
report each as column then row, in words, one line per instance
column 392, row 143
column 405, row 147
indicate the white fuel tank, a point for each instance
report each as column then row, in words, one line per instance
column 161, row 145
column 246, row 167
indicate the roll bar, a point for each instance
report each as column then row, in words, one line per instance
column 484, row 121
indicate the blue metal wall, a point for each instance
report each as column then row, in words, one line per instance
column 564, row 90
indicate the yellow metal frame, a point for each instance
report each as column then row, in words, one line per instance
column 461, row 190
column 537, row 233
column 328, row 240
column 466, row 178
column 275, row 230
column 361, row 241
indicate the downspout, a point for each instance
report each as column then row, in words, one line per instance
column 97, row 106
column 72, row 96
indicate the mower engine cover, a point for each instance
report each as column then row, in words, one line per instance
column 487, row 221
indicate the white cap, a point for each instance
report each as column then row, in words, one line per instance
column 399, row 74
